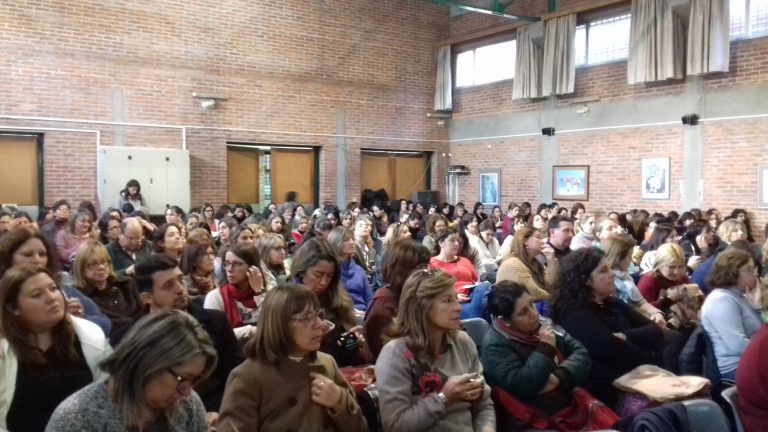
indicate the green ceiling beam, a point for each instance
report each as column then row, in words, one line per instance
column 497, row 9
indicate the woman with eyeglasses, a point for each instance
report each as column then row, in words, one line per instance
column 275, row 264
column 436, row 225
column 150, row 379
column 45, row 353
column 117, row 299
column 429, row 376
column 198, row 262
column 207, row 213
column 240, row 298
column 300, row 230
column 287, row 383
column 316, row 266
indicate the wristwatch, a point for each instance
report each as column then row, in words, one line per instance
column 443, row 400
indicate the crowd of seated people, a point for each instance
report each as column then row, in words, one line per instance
column 235, row 320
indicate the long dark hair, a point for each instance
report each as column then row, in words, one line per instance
column 576, row 268
column 131, row 183
column 21, row 340
column 15, row 239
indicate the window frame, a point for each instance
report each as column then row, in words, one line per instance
column 604, row 14
column 747, row 19
column 474, row 45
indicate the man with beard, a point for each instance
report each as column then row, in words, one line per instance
column 160, row 284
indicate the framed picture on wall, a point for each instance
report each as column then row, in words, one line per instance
column 570, row 182
column 490, row 191
column 762, row 186
column 655, row 178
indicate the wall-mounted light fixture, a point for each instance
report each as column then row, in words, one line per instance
column 548, row 131
column 208, row 101
column 583, row 110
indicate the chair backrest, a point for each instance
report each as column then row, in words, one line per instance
column 705, row 416
column 476, row 328
column 731, row 396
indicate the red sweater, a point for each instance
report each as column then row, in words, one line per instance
column 751, row 379
column 650, row 285
column 461, row 269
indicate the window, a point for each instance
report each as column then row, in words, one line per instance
column 486, row 64
column 749, row 18
column 602, row 41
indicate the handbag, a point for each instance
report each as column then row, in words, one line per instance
column 585, row 413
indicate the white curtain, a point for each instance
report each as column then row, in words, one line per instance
column 656, row 43
column 443, row 83
column 527, row 82
column 709, row 47
column 559, row 70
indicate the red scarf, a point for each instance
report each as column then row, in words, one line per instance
column 230, row 295
column 523, row 338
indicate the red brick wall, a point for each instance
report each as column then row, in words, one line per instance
column 286, row 66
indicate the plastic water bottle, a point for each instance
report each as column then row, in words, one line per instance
column 545, row 321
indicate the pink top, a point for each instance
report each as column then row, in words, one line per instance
column 67, row 245
column 461, row 269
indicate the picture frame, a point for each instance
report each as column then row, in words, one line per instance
column 570, row 182
column 655, row 182
column 490, row 187
column 762, row 186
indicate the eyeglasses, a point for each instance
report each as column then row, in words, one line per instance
column 96, row 264
column 236, row 264
column 308, row 319
column 184, row 383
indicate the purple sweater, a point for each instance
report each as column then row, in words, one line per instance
column 356, row 284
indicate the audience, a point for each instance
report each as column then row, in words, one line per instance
column 241, row 296
column 527, row 359
column 316, row 266
column 150, row 379
column 429, row 376
column 618, row 338
column 117, row 299
column 160, row 282
column 727, row 315
column 287, row 383
column 46, row 354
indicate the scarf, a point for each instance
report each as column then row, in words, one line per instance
column 230, row 296
column 204, row 284
column 523, row 338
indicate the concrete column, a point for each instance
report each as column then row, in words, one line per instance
column 341, row 159
column 692, row 146
column 548, row 151
column 118, row 115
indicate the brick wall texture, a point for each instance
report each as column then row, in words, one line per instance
column 288, row 67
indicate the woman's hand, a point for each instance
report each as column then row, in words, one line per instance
column 675, row 293
column 358, row 331
column 553, row 382
column 255, row 280
column 658, row 318
column 210, row 419
column 74, row 307
column 547, row 335
column 694, row 261
column 325, row 392
column 467, row 387
column 548, row 252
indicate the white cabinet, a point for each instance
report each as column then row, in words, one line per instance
column 162, row 173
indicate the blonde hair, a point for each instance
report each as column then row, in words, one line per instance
column 617, row 247
column 728, row 227
column 89, row 249
column 419, row 293
column 668, row 254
